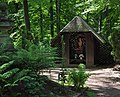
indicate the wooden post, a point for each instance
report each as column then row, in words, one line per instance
column 89, row 50
column 66, row 54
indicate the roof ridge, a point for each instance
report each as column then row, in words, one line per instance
column 78, row 24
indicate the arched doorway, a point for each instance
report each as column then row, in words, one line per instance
column 77, row 51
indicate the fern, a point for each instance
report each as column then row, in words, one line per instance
column 12, row 78
column 78, row 76
column 5, row 66
column 2, row 80
column 4, row 58
column 91, row 94
column 10, row 85
column 9, row 73
column 23, row 72
column 20, row 75
column 37, row 57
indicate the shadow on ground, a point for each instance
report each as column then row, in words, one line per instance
column 106, row 91
column 103, row 81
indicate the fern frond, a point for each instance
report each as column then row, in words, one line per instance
column 10, row 73
column 19, row 75
column 5, row 66
column 24, row 78
column 4, row 58
column 10, row 85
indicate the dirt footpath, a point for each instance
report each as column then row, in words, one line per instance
column 104, row 82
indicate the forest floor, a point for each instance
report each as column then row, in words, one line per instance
column 104, row 82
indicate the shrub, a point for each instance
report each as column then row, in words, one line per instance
column 18, row 71
column 91, row 94
column 37, row 57
column 7, row 79
column 78, row 76
column 115, row 40
column 15, row 82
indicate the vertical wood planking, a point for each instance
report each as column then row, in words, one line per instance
column 66, row 56
column 89, row 50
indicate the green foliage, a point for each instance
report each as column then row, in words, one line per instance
column 37, row 57
column 91, row 94
column 10, row 73
column 100, row 14
column 18, row 32
column 4, row 45
column 4, row 53
column 4, row 58
column 20, row 74
column 6, row 74
column 11, row 1
column 17, row 76
column 115, row 40
column 5, row 66
column 15, row 82
column 34, row 85
column 78, row 77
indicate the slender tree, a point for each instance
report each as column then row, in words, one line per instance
column 51, row 18
column 26, row 15
column 41, row 22
column 27, row 35
column 58, row 15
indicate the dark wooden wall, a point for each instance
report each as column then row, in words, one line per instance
column 66, row 48
column 89, row 50
column 103, row 53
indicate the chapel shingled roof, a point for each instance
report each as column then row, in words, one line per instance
column 77, row 24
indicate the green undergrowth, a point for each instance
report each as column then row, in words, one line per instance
column 19, row 71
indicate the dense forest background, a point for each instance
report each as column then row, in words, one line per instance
column 41, row 20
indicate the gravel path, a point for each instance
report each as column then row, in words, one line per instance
column 104, row 82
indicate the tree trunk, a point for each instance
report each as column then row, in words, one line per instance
column 58, row 15
column 41, row 23
column 26, row 35
column 26, row 15
column 107, row 23
column 51, row 18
